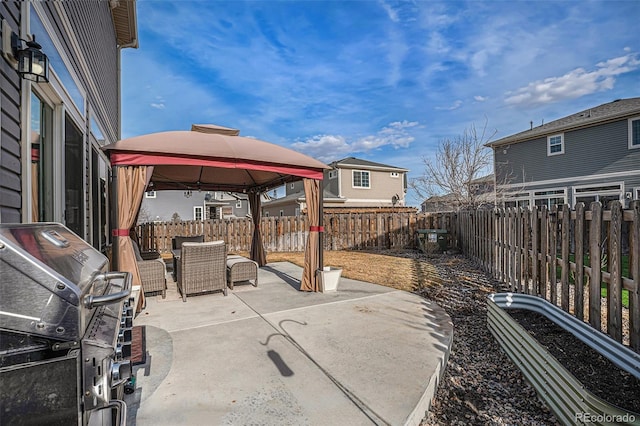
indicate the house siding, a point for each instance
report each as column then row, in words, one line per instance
column 167, row 203
column 10, row 104
column 382, row 187
column 594, row 150
column 94, row 32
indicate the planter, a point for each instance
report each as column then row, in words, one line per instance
column 328, row 278
column 563, row 393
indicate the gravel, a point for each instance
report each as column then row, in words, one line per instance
column 481, row 385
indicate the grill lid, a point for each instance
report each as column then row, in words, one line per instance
column 55, row 248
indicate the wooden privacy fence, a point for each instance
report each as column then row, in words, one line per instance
column 565, row 256
column 343, row 231
column 587, row 262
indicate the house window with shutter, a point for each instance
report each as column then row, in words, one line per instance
column 555, row 145
column 361, row 179
column 634, row 132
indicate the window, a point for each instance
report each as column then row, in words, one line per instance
column 239, row 204
column 281, row 212
column 197, row 212
column 361, row 179
column 550, row 197
column 605, row 193
column 333, row 174
column 74, row 185
column 292, row 186
column 42, row 163
column 634, row 132
column 150, row 194
column 266, row 214
column 555, row 145
column 394, row 174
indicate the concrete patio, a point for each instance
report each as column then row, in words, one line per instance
column 272, row 355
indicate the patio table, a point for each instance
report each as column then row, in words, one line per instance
column 176, row 253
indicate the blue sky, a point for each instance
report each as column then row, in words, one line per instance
column 379, row 80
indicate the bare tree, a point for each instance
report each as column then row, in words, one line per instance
column 144, row 216
column 457, row 163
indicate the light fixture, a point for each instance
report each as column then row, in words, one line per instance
column 30, row 62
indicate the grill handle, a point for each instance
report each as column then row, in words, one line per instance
column 91, row 301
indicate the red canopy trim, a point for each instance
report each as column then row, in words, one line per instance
column 316, row 228
column 137, row 159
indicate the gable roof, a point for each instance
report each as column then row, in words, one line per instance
column 352, row 162
column 604, row 113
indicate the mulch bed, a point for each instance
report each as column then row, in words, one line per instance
column 597, row 373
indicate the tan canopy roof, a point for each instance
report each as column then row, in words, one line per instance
column 201, row 159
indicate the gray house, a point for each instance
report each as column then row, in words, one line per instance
column 352, row 184
column 587, row 156
column 164, row 206
column 51, row 165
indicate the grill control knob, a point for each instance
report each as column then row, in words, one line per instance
column 123, row 350
column 120, row 372
column 126, row 322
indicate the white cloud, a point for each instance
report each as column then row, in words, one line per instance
column 159, row 105
column 457, row 104
column 332, row 147
column 575, row 83
column 479, row 98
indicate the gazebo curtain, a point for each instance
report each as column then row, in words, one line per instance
column 257, row 249
column 312, row 249
column 131, row 183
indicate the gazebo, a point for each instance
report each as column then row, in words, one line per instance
column 211, row 158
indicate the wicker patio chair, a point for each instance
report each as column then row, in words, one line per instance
column 202, row 268
column 176, row 244
column 153, row 273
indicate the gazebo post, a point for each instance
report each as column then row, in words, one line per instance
column 321, row 228
column 114, row 218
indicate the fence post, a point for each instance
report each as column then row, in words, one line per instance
column 614, row 291
column 564, row 252
column 634, row 269
column 595, row 232
column 578, row 285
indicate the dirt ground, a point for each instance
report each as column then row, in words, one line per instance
column 390, row 270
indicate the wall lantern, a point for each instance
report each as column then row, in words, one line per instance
column 31, row 63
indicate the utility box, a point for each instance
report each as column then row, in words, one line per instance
column 432, row 240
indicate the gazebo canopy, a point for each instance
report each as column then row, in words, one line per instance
column 211, row 158
column 203, row 160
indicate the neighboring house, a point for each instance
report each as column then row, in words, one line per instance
column 52, row 168
column 588, row 156
column 351, row 184
column 483, row 196
column 164, row 206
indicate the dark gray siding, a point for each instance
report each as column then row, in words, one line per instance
column 594, row 150
column 95, row 33
column 10, row 183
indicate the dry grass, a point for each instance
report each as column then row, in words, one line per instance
column 403, row 273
